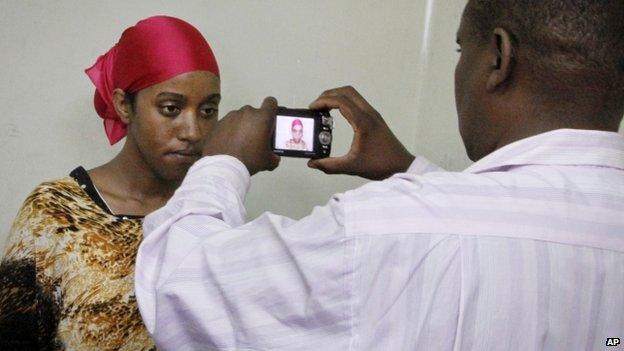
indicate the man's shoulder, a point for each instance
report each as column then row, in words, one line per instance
column 411, row 185
column 408, row 194
column 443, row 184
column 528, row 204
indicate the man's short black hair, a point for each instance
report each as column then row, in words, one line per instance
column 567, row 44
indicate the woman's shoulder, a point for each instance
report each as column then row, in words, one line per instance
column 53, row 193
column 45, row 193
column 59, row 199
column 44, row 209
column 69, row 189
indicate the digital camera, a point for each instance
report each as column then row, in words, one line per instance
column 302, row 133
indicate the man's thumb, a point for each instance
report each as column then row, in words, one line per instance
column 269, row 104
column 332, row 165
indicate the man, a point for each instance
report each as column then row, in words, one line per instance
column 524, row 250
column 296, row 142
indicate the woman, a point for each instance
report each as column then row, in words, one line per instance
column 296, row 142
column 66, row 278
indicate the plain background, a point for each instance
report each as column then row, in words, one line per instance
column 399, row 54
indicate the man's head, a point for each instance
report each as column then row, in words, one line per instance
column 297, row 130
column 529, row 66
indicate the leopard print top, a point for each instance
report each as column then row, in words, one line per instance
column 66, row 280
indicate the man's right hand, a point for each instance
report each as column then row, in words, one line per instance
column 375, row 152
column 246, row 134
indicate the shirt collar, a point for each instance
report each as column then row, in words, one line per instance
column 563, row 147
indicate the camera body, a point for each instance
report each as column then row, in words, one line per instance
column 302, row 133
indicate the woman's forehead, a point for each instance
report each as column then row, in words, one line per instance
column 196, row 83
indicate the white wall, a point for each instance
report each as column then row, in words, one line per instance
column 400, row 54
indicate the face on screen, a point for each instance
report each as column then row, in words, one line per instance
column 294, row 133
column 297, row 132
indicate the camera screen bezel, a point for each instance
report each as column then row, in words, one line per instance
column 317, row 148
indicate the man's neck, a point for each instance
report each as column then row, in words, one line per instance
column 538, row 122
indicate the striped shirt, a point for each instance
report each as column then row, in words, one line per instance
column 524, row 250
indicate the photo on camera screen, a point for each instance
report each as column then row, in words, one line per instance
column 294, row 133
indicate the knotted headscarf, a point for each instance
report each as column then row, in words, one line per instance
column 152, row 51
column 296, row 122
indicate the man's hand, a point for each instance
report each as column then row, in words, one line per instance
column 375, row 152
column 246, row 134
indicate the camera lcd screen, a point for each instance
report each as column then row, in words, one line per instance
column 294, row 133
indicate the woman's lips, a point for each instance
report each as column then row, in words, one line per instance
column 184, row 156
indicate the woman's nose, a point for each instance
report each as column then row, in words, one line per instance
column 190, row 130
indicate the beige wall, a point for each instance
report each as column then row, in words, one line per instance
column 400, row 54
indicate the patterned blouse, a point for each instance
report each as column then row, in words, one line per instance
column 292, row 145
column 66, row 280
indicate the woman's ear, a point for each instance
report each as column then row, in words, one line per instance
column 502, row 60
column 123, row 107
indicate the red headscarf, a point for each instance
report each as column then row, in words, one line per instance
column 296, row 122
column 152, row 51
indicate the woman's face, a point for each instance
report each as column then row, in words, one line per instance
column 171, row 120
column 297, row 133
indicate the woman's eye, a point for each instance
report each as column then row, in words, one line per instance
column 209, row 112
column 170, row 110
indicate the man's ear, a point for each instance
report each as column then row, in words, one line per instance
column 122, row 106
column 502, row 59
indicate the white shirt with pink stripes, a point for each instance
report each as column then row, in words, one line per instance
column 524, row 250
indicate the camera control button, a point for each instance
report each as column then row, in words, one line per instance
column 325, row 138
column 328, row 121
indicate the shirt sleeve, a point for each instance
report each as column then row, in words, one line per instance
column 206, row 280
